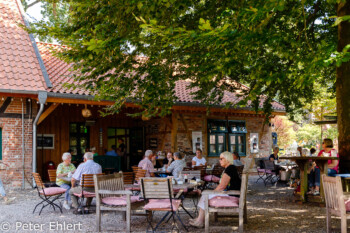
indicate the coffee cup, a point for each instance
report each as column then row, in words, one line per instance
column 198, row 180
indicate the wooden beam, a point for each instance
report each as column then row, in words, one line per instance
column 47, row 112
column 163, row 138
column 205, row 135
column 167, row 122
column 174, row 132
column 78, row 101
column 188, row 134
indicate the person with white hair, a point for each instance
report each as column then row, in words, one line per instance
column 65, row 169
column 230, row 180
column 88, row 167
column 146, row 163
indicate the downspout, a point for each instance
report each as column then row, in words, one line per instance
column 42, row 100
column 23, row 145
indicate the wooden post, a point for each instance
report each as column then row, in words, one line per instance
column 174, row 132
column 188, row 134
column 205, row 137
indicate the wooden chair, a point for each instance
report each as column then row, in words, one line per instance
column 159, row 195
column 52, row 175
column 110, row 195
column 240, row 210
column 202, row 169
column 335, row 201
column 135, row 169
column 240, row 170
column 52, row 178
column 214, row 178
column 87, row 182
column 128, row 177
column 49, row 195
column 270, row 172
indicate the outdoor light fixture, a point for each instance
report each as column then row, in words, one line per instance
column 86, row 112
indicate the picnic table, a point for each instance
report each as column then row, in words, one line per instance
column 302, row 161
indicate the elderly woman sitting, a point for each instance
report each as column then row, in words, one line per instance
column 63, row 171
column 229, row 181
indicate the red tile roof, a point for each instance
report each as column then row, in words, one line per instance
column 19, row 66
column 60, row 72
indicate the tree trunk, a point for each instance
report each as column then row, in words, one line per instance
column 343, row 91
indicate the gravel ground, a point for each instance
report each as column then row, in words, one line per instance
column 270, row 209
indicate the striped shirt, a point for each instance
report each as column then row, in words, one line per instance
column 147, row 165
column 176, row 167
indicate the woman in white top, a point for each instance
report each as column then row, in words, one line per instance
column 198, row 160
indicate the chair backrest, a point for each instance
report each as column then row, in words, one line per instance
column 269, row 165
column 156, row 188
column 140, row 173
column 333, row 190
column 87, row 180
column 202, row 169
column 128, row 177
column 52, row 175
column 244, row 188
column 188, row 169
column 135, row 169
column 38, row 181
column 240, row 170
column 217, row 170
column 113, row 182
column 192, row 174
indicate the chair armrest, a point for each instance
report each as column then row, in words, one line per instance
column 179, row 194
column 231, row 192
column 346, row 196
column 118, row 192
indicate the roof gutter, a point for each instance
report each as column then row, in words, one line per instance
column 42, row 96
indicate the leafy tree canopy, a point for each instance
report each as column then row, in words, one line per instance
column 279, row 49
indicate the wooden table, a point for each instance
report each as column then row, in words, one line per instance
column 303, row 162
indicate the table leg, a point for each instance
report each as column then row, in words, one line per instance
column 325, row 171
column 303, row 181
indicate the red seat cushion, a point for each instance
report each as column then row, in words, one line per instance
column 347, row 205
column 212, row 178
column 224, row 201
column 119, row 201
column 86, row 194
column 53, row 191
column 162, row 204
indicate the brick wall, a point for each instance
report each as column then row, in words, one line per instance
column 12, row 145
column 156, row 129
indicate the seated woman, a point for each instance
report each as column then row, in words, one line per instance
column 274, row 156
column 199, row 160
column 168, row 160
column 229, row 181
column 63, row 169
column 177, row 166
column 314, row 176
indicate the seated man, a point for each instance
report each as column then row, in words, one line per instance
column 146, row 163
column 112, row 152
column 177, row 166
column 88, row 167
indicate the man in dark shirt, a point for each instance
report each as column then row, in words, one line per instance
column 274, row 156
